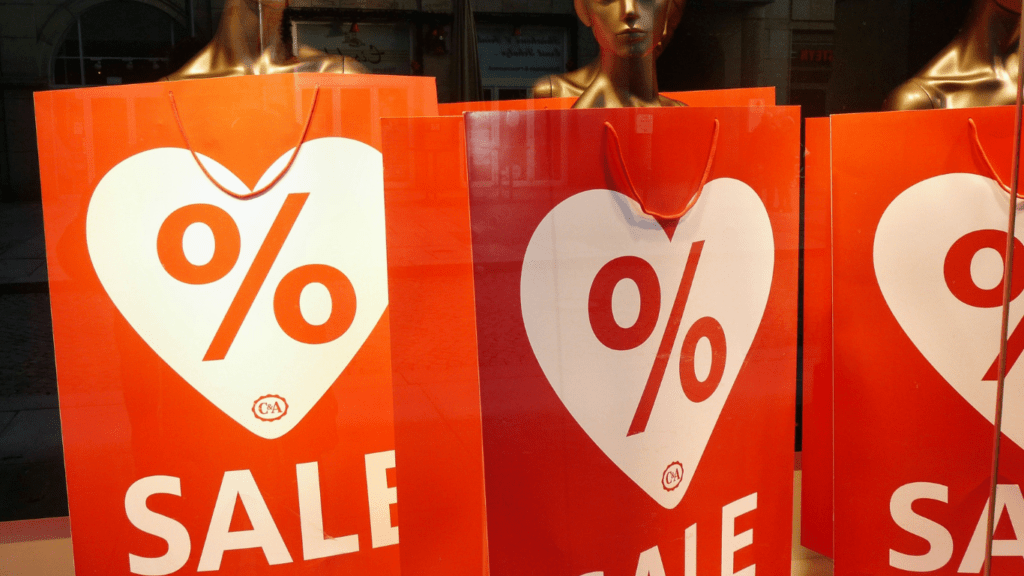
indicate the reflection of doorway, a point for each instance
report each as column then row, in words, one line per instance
column 514, row 55
column 383, row 47
column 117, row 42
column 493, row 93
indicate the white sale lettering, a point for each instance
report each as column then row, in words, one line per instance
column 381, row 497
column 731, row 541
column 311, row 516
column 239, row 485
column 650, row 562
column 1008, row 499
column 176, row 536
column 938, row 537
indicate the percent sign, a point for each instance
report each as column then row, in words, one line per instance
column 957, row 270
column 227, row 246
column 616, row 337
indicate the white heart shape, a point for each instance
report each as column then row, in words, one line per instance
column 914, row 236
column 341, row 225
column 602, row 387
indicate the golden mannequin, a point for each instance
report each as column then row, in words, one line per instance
column 568, row 84
column 574, row 83
column 979, row 68
column 249, row 41
column 628, row 32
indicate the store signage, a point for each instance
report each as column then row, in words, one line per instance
column 223, row 363
column 383, row 48
column 593, row 387
column 810, row 55
column 919, row 244
column 514, row 57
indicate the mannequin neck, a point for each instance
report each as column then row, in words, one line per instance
column 992, row 32
column 250, row 29
column 631, row 77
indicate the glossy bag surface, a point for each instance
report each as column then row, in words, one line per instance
column 919, row 229
column 223, row 363
column 577, row 383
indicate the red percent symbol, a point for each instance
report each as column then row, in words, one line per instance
column 227, row 245
column 617, row 337
column 957, row 271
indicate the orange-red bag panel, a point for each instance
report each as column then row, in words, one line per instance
column 223, row 364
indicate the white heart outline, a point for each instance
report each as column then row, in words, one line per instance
column 592, row 228
column 345, row 207
column 914, row 234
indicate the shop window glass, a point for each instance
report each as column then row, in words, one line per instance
column 117, row 42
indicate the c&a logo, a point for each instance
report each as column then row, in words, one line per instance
column 270, row 407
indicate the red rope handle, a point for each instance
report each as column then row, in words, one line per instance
column 976, row 140
column 615, row 150
column 265, row 189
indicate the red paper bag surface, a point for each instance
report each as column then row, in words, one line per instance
column 525, row 442
column 223, row 364
column 816, row 454
column 762, row 96
column 919, row 228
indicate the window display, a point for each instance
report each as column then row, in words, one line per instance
column 298, row 307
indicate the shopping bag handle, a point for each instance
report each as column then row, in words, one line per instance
column 265, row 189
column 613, row 149
column 976, row 140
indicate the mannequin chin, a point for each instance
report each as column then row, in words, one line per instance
column 628, row 32
column 572, row 84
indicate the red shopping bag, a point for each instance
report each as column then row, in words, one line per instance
column 581, row 387
column 919, row 232
column 816, row 424
column 223, row 363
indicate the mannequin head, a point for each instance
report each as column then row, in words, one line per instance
column 626, row 28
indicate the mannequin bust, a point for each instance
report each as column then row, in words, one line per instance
column 249, row 41
column 628, row 32
column 574, row 83
column 979, row 68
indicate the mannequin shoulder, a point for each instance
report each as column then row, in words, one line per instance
column 556, row 86
column 543, row 87
column 911, row 95
column 329, row 63
column 669, row 102
column 209, row 62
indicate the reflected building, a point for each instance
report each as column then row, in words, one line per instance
column 824, row 56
